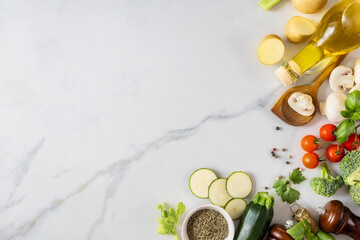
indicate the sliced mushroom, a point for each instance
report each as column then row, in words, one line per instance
column 335, row 103
column 301, row 103
column 341, row 78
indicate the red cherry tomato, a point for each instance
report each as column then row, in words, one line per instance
column 309, row 143
column 310, row 160
column 327, row 132
column 350, row 144
column 335, row 153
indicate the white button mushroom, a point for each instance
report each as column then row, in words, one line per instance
column 341, row 78
column 335, row 103
column 356, row 75
column 301, row 103
column 357, row 71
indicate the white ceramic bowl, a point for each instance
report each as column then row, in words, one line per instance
column 227, row 217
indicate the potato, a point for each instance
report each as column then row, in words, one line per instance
column 309, row 6
column 299, row 29
column 271, row 49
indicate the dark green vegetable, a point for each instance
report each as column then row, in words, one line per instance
column 256, row 218
column 326, row 185
column 350, row 168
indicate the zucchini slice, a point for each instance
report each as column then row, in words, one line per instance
column 239, row 185
column 200, row 181
column 217, row 192
column 235, row 207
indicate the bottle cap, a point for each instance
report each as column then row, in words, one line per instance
column 284, row 76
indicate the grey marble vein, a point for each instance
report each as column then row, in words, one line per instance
column 58, row 175
column 27, row 227
column 22, row 170
column 171, row 136
column 117, row 170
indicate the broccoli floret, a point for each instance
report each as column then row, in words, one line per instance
column 354, row 191
column 350, row 167
column 326, row 185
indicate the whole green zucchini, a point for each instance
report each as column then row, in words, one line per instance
column 256, row 218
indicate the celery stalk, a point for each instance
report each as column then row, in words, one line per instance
column 267, row 4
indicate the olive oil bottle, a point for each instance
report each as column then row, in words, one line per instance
column 337, row 33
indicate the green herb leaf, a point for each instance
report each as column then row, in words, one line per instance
column 353, row 101
column 180, row 209
column 296, row 176
column 301, row 230
column 308, row 234
column 169, row 219
column 297, row 232
column 347, row 113
column 283, row 187
column 355, row 116
column 280, row 186
column 290, row 195
column 345, row 129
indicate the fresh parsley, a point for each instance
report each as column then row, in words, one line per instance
column 296, row 176
column 351, row 115
column 169, row 219
column 283, row 187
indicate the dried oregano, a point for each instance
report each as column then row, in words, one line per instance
column 207, row 224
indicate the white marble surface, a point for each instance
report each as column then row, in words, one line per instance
column 107, row 106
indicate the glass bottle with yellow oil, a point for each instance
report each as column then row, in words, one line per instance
column 337, row 33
